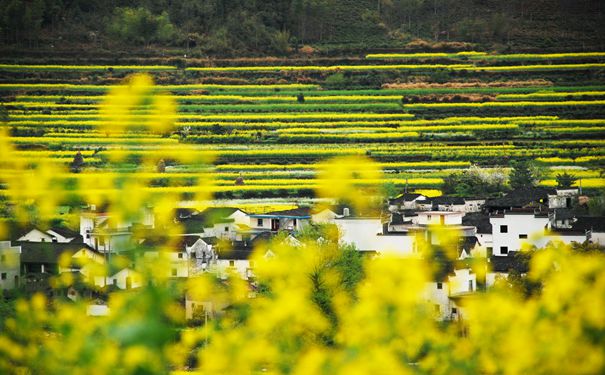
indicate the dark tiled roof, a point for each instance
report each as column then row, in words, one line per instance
column 300, row 212
column 444, row 199
column 182, row 213
column 47, row 252
column 65, row 232
column 593, row 223
column 210, row 240
column 513, row 261
column 207, row 218
column 397, row 219
column 405, row 197
column 188, row 240
column 468, row 243
column 524, row 197
column 478, row 220
column 564, row 214
column 239, row 251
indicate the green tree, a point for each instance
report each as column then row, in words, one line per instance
column 521, row 175
column 140, row 26
column 565, row 180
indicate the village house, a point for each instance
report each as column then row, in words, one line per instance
column 53, row 234
column 104, row 233
column 290, row 220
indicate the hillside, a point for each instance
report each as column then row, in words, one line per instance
column 282, row 27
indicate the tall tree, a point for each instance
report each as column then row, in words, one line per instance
column 521, row 175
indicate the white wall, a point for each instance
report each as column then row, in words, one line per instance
column 10, row 265
column 463, row 281
column 518, row 224
column 598, row 237
column 439, row 298
column 120, row 279
column 36, row 235
column 402, row 245
column 435, row 217
column 360, row 232
column 473, row 205
column 171, row 262
column 224, row 266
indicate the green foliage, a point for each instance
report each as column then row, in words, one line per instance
column 521, row 175
column 336, row 81
column 565, row 180
column 473, row 182
column 140, row 26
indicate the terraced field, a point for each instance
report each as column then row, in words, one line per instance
column 419, row 116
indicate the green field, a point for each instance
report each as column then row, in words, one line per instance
column 275, row 125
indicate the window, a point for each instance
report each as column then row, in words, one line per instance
column 503, row 249
column 231, row 263
column 54, row 239
column 503, row 228
column 259, row 222
column 439, row 285
column 174, row 272
column 454, row 310
column 428, row 217
column 294, row 222
column 180, row 255
column 523, row 236
column 470, row 285
column 226, row 229
column 3, row 276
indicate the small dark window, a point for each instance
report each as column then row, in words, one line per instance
column 503, row 228
column 180, row 255
column 523, row 236
column 259, row 222
column 454, row 310
column 439, row 285
column 226, row 229
column 3, row 275
column 503, row 249
column 470, row 285
column 231, row 263
column 294, row 221
column 55, row 239
column 428, row 217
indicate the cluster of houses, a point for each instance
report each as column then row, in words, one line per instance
column 221, row 240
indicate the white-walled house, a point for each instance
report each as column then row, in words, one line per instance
column 563, row 198
column 405, row 201
column 104, row 233
column 511, row 229
column 359, row 231
column 126, row 279
column 292, row 220
column 10, row 265
column 56, row 234
column 443, row 294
